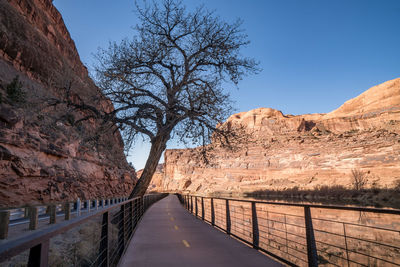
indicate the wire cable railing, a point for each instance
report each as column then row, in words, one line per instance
column 306, row 235
column 109, row 230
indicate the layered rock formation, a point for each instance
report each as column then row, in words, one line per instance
column 304, row 151
column 156, row 183
column 43, row 153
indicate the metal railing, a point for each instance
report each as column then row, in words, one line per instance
column 110, row 228
column 32, row 215
column 306, row 235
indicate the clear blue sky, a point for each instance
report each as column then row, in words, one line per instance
column 315, row 54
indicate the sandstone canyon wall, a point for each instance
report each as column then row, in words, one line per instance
column 43, row 155
column 304, row 151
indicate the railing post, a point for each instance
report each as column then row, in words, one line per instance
column 78, row 207
column 33, row 218
column 345, row 242
column 311, row 247
column 212, row 212
column 195, row 199
column 191, row 204
column 104, row 259
column 123, row 208
column 53, row 214
column 131, row 217
column 4, row 222
column 96, row 204
column 134, row 202
column 121, row 231
column 228, row 217
column 39, row 255
column 67, row 211
column 255, row 225
column 202, row 208
column 88, row 204
column 143, row 205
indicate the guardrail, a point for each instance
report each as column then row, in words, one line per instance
column 110, row 230
column 32, row 214
column 306, row 235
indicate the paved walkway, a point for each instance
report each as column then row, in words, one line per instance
column 169, row 236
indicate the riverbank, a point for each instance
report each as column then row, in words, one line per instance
column 337, row 195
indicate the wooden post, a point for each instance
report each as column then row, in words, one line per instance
column 67, row 211
column 4, row 222
column 88, row 204
column 53, row 214
column 78, row 207
column 33, row 218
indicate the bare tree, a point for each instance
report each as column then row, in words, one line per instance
column 168, row 80
column 359, row 179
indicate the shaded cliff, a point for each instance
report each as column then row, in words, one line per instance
column 304, row 151
column 43, row 153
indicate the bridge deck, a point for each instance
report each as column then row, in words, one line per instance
column 169, row 236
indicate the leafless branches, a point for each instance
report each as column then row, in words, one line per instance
column 167, row 81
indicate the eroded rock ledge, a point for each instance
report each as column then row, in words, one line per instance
column 304, row 151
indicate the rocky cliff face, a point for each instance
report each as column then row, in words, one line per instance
column 303, row 151
column 43, row 153
column 156, row 183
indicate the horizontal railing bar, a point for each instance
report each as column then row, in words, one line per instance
column 291, row 224
column 359, row 239
column 373, row 242
column 240, row 226
column 56, row 203
column 375, row 210
column 355, row 224
column 302, row 237
column 14, row 247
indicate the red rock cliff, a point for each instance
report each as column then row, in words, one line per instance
column 304, row 151
column 43, row 157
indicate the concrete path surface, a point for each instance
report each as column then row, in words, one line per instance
column 168, row 235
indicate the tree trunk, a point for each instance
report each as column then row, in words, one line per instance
column 157, row 148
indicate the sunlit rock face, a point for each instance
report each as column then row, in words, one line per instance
column 43, row 157
column 157, row 179
column 304, row 151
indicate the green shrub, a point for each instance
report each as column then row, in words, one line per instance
column 14, row 91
